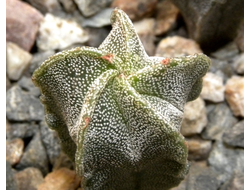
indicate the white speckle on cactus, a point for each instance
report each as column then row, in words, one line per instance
column 118, row 111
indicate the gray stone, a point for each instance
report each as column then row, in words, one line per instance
column 15, row 109
column 26, row 84
column 75, row 16
column 21, row 130
column 221, row 68
column 220, row 118
column 100, row 19
column 226, row 52
column 199, row 177
column 208, row 21
column 51, row 6
column 91, row 7
column 202, row 177
column 38, row 58
column 96, row 36
column 11, row 183
column 21, row 106
column 226, row 161
column 235, row 135
column 69, row 6
column 235, row 183
column 51, row 142
column 34, row 156
column 239, row 40
column 36, row 109
column 238, row 64
column 29, row 178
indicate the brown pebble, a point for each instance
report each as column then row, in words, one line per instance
column 136, row 10
column 14, row 150
column 29, row 178
column 61, row 179
column 234, row 93
column 22, row 23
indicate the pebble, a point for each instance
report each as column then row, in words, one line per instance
column 69, row 6
column 34, row 156
column 51, row 6
column 226, row 161
column 220, row 119
column 195, row 118
column 91, row 7
column 21, row 106
column 61, row 179
column 238, row 64
column 213, row 88
column 235, row 183
column 18, row 61
column 221, row 68
column 97, row 36
column 27, row 85
column 14, row 150
column 166, row 15
column 176, row 46
column 198, row 149
column 136, row 10
column 234, row 93
column 50, row 141
column 145, row 30
column 11, row 183
column 22, row 23
column 29, row 178
column 57, row 34
column 200, row 177
column 145, row 26
column 99, row 20
column 235, row 135
column 21, row 130
column 226, row 52
column 38, row 58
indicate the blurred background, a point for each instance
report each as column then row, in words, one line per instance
column 213, row 124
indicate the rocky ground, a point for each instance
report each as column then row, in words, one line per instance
column 213, row 124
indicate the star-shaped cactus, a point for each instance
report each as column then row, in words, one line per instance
column 118, row 111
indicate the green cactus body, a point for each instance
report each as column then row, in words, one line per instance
column 118, row 112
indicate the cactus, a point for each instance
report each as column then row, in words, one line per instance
column 118, row 112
